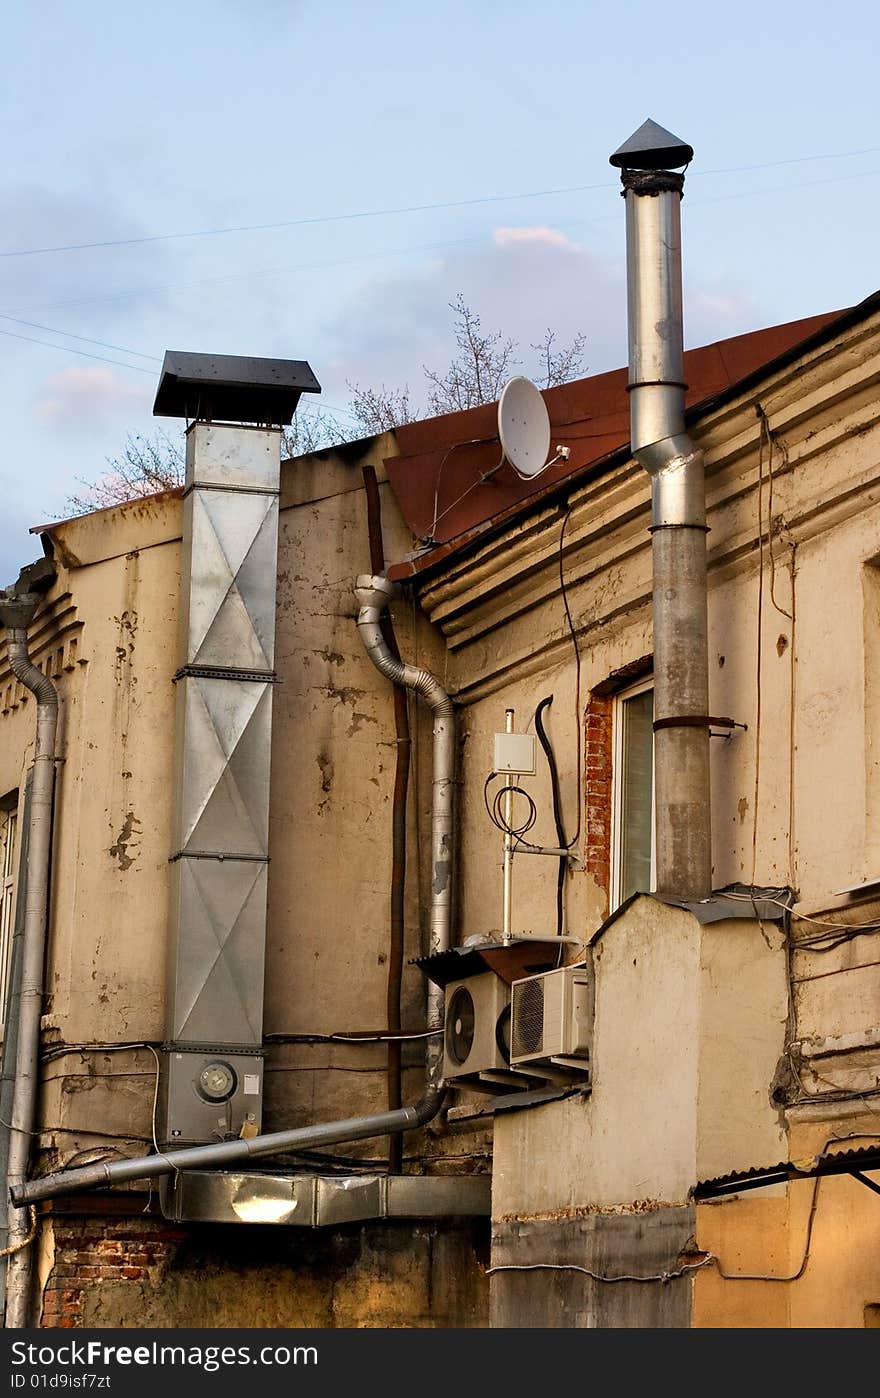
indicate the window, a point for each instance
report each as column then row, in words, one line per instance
column 632, row 811
column 8, row 862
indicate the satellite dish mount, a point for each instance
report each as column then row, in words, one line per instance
column 524, row 429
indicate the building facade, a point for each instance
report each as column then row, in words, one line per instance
column 726, row 1045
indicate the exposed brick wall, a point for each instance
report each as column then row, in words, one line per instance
column 597, row 760
column 125, row 1270
column 90, row 1251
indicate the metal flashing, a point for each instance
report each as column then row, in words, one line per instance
column 847, row 1162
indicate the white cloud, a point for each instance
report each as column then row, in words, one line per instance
column 544, row 237
column 78, row 398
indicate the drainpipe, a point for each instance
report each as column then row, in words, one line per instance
column 398, row 829
column 328, row 1133
column 16, row 613
column 373, row 595
column 661, row 444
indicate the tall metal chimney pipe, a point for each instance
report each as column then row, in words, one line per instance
column 653, row 193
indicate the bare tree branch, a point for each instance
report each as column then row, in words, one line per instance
column 380, row 409
column 146, row 466
column 560, row 366
column 311, row 431
column 476, row 374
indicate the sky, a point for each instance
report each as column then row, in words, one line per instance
column 319, row 179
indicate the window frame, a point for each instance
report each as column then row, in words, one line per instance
column 620, row 698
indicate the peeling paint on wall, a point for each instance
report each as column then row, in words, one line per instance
column 119, row 850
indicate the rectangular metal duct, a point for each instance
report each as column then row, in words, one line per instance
column 213, row 1077
column 320, row 1201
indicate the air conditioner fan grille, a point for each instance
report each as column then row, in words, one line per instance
column 460, row 1025
column 528, row 1017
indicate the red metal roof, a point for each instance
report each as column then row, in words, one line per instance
column 436, row 475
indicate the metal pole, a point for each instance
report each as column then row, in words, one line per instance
column 506, row 928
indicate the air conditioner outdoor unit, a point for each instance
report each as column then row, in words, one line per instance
column 476, row 1021
column 552, row 1018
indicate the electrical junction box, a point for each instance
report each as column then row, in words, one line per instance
column 551, row 1019
column 210, row 1097
column 514, row 754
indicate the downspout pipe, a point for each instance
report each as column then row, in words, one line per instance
column 16, row 613
column 661, row 444
column 373, row 595
column 230, row 1153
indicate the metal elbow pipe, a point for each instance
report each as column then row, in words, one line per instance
column 230, row 1153
column 678, row 494
column 373, row 595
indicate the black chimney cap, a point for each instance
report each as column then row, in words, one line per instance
column 232, row 388
column 652, row 148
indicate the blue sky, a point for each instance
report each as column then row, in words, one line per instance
column 148, row 129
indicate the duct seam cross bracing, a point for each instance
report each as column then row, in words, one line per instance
column 223, row 743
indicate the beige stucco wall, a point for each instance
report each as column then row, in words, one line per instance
column 805, row 760
column 689, row 1026
column 333, row 762
column 690, row 1037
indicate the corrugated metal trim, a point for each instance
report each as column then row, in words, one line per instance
column 847, row 1162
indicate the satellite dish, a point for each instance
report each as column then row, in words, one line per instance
column 524, row 427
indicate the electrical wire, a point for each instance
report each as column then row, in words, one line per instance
column 411, row 208
column 794, row 1276
column 483, row 476
column 851, row 929
column 496, row 810
column 671, row 1275
column 61, row 1050
column 69, row 335
column 547, row 747
column 367, row 1037
column 84, row 354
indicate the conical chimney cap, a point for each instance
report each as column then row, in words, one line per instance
column 652, row 148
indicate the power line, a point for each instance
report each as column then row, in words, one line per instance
column 434, row 246
column 262, row 272
column 102, row 359
column 68, row 334
column 301, row 222
column 400, row 209
column 68, row 349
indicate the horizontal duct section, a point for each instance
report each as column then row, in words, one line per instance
column 320, row 1201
